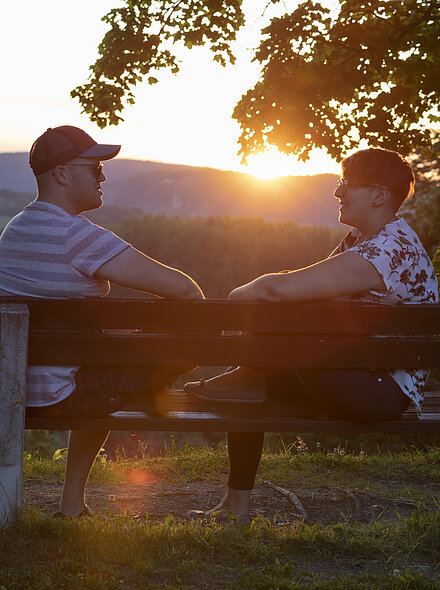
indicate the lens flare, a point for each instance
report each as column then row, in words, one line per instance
column 140, row 477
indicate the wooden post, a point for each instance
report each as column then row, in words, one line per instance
column 14, row 324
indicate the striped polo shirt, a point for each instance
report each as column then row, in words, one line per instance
column 48, row 253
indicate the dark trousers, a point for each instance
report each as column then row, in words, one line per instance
column 357, row 395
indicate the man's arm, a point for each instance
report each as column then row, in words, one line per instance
column 343, row 274
column 131, row 268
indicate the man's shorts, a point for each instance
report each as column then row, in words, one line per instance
column 103, row 390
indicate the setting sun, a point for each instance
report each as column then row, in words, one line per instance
column 270, row 164
column 273, row 164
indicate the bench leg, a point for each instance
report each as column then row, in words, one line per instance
column 14, row 322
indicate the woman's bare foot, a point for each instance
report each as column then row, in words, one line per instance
column 235, row 503
column 85, row 512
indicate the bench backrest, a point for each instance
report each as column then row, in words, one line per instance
column 142, row 331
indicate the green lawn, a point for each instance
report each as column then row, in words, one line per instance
column 414, row 474
column 121, row 552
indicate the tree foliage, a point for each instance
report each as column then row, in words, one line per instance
column 422, row 211
column 140, row 42
column 370, row 72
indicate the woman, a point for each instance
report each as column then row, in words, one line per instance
column 381, row 260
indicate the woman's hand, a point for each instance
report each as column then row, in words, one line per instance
column 256, row 290
column 344, row 274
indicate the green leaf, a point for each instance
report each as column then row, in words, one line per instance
column 168, row 521
column 59, row 454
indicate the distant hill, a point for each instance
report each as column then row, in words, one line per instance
column 136, row 186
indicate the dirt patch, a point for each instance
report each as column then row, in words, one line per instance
column 158, row 499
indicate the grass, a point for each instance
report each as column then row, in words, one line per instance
column 377, row 472
column 122, row 552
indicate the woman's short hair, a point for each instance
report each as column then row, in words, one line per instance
column 384, row 167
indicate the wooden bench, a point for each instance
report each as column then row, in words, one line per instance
column 211, row 333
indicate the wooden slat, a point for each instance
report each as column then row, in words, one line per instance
column 203, row 316
column 177, row 411
column 215, row 423
column 250, row 350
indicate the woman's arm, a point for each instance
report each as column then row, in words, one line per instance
column 343, row 274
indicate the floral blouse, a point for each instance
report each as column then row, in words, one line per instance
column 406, row 270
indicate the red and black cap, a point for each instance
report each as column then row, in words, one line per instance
column 59, row 145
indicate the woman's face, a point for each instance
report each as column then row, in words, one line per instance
column 355, row 202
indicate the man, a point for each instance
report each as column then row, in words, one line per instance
column 381, row 260
column 50, row 251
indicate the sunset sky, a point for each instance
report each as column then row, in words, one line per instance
column 47, row 46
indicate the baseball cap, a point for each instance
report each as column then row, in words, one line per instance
column 59, row 145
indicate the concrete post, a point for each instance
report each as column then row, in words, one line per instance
column 14, row 323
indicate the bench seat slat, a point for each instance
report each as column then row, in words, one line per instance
column 137, row 421
column 175, row 410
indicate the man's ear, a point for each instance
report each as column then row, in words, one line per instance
column 59, row 172
column 383, row 195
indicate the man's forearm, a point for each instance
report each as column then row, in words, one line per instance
column 172, row 284
column 190, row 290
column 135, row 270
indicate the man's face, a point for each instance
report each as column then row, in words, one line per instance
column 85, row 176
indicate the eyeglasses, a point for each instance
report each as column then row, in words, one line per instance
column 96, row 169
column 344, row 184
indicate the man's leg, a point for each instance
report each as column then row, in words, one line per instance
column 84, row 445
column 100, row 390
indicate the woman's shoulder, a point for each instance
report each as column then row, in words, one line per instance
column 398, row 227
column 401, row 234
column 396, row 241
